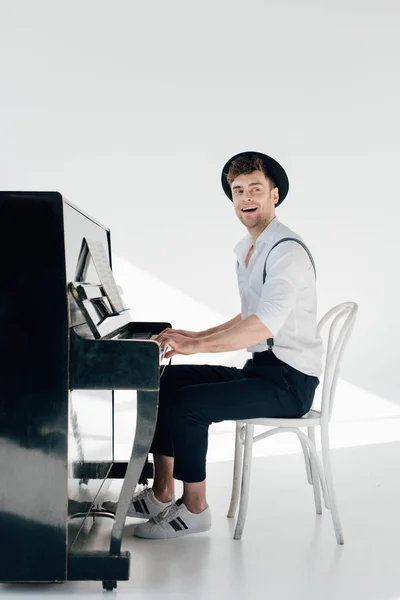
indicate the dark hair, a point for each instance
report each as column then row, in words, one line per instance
column 244, row 165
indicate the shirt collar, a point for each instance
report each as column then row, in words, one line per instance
column 241, row 249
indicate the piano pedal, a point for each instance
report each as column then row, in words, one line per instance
column 93, row 513
column 101, row 512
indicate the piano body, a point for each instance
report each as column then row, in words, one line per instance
column 65, row 346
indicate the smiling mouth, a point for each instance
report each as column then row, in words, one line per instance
column 251, row 209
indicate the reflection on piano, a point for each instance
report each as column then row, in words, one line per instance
column 66, row 341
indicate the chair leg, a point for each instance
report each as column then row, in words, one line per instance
column 237, row 471
column 314, row 474
column 306, row 460
column 326, row 459
column 245, row 488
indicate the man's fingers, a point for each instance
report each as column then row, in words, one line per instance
column 161, row 337
column 165, row 331
column 165, row 343
column 171, row 353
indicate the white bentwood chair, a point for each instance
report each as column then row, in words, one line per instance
column 341, row 318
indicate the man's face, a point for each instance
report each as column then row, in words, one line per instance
column 254, row 200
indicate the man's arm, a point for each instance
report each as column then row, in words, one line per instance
column 219, row 328
column 241, row 334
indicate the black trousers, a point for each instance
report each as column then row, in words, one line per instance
column 194, row 396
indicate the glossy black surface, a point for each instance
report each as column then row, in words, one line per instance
column 33, row 388
column 56, row 407
column 83, row 566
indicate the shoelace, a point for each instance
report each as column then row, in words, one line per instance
column 140, row 495
column 171, row 512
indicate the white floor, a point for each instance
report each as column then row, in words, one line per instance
column 287, row 551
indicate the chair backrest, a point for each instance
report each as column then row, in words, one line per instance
column 341, row 318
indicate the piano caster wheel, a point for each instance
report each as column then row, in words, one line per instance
column 109, row 585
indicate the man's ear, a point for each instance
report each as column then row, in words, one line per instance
column 275, row 195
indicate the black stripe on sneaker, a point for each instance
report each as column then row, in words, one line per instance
column 175, row 525
column 146, row 510
column 182, row 523
column 137, row 506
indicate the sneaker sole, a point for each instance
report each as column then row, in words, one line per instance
column 149, row 535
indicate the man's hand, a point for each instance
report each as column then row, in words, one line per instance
column 179, row 344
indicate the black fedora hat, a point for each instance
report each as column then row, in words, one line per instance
column 272, row 167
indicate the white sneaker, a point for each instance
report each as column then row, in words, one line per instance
column 144, row 505
column 174, row 521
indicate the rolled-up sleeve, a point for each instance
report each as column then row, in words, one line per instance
column 287, row 267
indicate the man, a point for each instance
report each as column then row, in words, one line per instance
column 277, row 324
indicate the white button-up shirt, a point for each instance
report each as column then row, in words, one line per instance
column 287, row 302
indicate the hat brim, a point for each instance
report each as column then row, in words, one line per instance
column 271, row 166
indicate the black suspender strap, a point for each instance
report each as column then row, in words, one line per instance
column 270, row 341
column 288, row 239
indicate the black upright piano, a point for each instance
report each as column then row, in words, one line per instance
column 66, row 342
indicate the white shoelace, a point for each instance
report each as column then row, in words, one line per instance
column 140, row 495
column 171, row 512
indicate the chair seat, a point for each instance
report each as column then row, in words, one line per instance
column 311, row 419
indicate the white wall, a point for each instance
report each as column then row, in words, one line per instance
column 130, row 109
